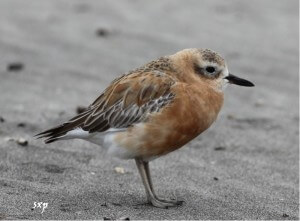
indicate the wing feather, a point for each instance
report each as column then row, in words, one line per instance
column 127, row 101
column 130, row 100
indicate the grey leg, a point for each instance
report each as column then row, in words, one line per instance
column 147, row 170
column 149, row 189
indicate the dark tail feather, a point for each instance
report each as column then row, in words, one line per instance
column 55, row 133
column 58, row 132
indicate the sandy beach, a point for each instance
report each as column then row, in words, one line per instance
column 59, row 55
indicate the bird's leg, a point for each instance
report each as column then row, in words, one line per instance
column 151, row 197
column 147, row 170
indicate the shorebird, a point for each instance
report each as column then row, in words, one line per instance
column 154, row 110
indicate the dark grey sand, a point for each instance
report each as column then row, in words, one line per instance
column 70, row 51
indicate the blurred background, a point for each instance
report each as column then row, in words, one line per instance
column 57, row 56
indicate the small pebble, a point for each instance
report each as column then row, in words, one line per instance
column 220, row 148
column 2, row 119
column 259, row 103
column 216, row 178
column 80, row 109
column 22, row 142
column 104, row 204
column 9, row 139
column 124, row 218
column 230, row 117
column 102, row 32
column 285, row 215
column 21, row 125
column 120, row 170
column 15, row 66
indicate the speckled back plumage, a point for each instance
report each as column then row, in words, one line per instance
column 128, row 100
column 161, row 64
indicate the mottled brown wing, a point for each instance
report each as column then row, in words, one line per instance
column 129, row 100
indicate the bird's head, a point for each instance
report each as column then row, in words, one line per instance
column 206, row 66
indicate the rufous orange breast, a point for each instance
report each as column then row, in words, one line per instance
column 194, row 108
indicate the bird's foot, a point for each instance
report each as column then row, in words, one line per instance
column 175, row 202
column 163, row 203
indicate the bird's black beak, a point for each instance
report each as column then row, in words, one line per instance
column 238, row 81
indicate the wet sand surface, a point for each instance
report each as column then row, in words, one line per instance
column 57, row 55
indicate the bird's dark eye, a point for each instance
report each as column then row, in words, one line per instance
column 210, row 69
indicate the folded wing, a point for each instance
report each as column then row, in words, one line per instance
column 127, row 101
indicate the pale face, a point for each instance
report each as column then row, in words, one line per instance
column 205, row 65
column 212, row 67
column 213, row 71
